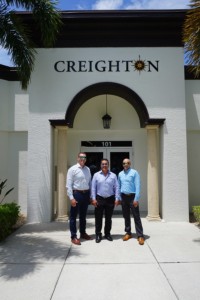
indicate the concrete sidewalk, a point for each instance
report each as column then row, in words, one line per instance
column 39, row 262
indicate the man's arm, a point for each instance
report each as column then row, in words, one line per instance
column 93, row 190
column 69, row 186
column 137, row 186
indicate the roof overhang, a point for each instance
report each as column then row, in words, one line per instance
column 124, row 28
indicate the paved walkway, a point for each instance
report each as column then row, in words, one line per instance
column 39, row 262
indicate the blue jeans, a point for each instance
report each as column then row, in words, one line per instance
column 81, row 209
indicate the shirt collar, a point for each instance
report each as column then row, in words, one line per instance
column 126, row 171
column 101, row 172
column 79, row 166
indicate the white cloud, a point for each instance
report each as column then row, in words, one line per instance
column 157, row 4
column 107, row 4
column 5, row 59
column 140, row 4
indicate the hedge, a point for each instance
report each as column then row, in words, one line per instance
column 9, row 213
column 196, row 212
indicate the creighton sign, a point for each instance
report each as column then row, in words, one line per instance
column 131, row 65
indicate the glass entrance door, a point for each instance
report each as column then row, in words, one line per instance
column 94, row 157
column 93, row 161
column 116, row 158
column 114, row 155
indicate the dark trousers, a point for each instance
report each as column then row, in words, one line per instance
column 127, row 208
column 107, row 205
column 81, row 209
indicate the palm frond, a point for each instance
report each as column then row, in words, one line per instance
column 47, row 18
column 191, row 37
column 15, row 37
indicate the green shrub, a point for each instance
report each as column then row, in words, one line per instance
column 9, row 213
column 196, row 212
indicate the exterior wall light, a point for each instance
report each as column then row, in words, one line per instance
column 106, row 118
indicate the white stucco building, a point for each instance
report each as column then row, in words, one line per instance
column 129, row 64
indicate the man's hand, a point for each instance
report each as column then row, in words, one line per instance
column 73, row 202
column 117, row 202
column 135, row 203
column 94, row 202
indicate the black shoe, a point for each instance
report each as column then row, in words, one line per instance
column 109, row 237
column 98, row 238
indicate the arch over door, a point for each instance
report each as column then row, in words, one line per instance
column 112, row 89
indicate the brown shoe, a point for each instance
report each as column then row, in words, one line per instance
column 76, row 241
column 127, row 237
column 141, row 240
column 85, row 236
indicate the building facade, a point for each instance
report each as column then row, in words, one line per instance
column 129, row 65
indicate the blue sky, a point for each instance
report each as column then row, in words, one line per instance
column 108, row 4
column 121, row 4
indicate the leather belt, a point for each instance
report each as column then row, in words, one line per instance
column 113, row 196
column 81, row 191
column 132, row 194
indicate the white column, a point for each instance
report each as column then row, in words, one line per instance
column 55, row 168
column 152, row 173
column 61, row 173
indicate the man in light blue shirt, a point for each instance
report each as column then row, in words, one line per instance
column 104, row 194
column 129, row 186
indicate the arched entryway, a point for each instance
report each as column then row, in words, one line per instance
column 151, row 125
column 107, row 88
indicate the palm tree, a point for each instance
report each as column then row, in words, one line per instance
column 14, row 35
column 191, row 36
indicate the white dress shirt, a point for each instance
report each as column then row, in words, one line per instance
column 78, row 178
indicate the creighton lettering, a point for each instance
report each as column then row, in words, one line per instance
column 151, row 65
column 114, row 66
column 81, row 66
column 128, row 64
column 100, row 66
column 59, row 66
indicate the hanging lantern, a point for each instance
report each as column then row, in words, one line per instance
column 106, row 118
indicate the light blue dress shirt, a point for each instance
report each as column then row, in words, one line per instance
column 129, row 182
column 105, row 186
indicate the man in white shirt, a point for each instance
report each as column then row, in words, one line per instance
column 78, row 190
